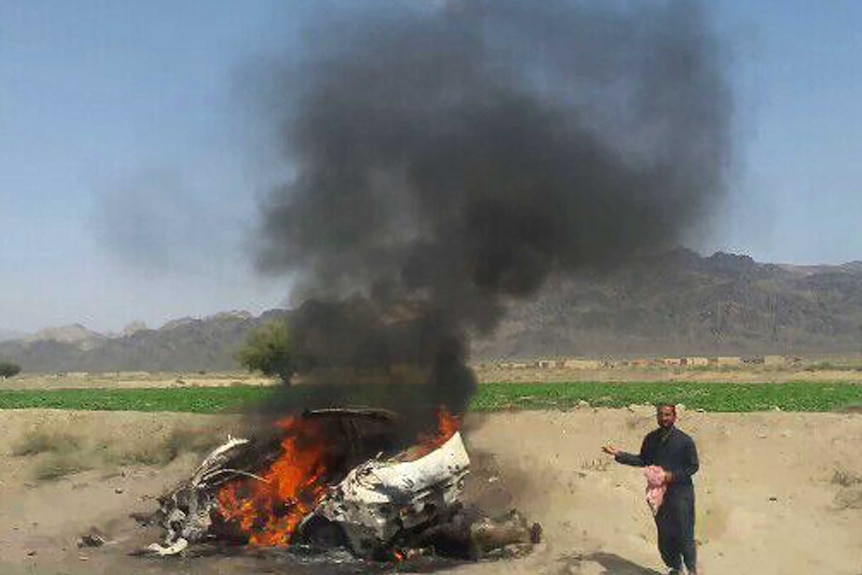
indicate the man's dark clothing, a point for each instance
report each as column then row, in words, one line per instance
column 673, row 451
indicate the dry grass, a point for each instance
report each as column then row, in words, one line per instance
column 44, row 441
column 601, row 464
column 165, row 450
column 57, row 453
column 57, row 465
column 825, row 372
column 845, row 478
column 127, row 380
column 849, row 497
column 849, row 494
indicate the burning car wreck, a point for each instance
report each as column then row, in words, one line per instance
column 384, row 500
column 332, row 478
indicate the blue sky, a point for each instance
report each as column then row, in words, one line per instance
column 131, row 159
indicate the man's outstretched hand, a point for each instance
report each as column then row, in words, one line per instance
column 610, row 450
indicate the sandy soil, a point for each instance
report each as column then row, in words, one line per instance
column 620, row 374
column 484, row 373
column 135, row 379
column 778, row 493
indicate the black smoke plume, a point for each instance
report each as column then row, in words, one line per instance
column 449, row 156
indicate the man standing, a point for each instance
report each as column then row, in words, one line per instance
column 673, row 451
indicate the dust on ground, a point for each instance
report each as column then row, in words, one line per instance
column 777, row 492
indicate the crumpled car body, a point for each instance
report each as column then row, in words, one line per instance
column 384, row 499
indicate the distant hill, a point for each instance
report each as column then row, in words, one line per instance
column 180, row 345
column 75, row 335
column 671, row 303
column 7, row 334
column 681, row 303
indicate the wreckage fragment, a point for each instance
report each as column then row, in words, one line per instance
column 508, row 534
column 382, row 499
column 186, row 512
column 470, row 534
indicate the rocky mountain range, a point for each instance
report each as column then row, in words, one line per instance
column 670, row 303
column 678, row 302
column 187, row 344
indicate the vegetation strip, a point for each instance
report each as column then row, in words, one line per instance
column 727, row 397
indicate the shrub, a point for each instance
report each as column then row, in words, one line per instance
column 9, row 369
column 58, row 465
column 845, row 478
column 270, row 350
column 43, row 441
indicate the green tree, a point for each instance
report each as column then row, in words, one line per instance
column 9, row 369
column 270, row 350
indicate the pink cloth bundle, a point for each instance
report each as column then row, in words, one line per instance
column 655, row 488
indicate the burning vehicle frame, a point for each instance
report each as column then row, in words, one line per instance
column 377, row 502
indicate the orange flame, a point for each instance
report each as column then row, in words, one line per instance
column 268, row 510
column 447, row 425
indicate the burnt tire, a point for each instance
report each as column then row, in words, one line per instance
column 322, row 533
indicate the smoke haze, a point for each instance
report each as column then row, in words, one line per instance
column 450, row 156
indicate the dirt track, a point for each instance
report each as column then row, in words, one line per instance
column 777, row 493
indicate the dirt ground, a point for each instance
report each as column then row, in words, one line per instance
column 490, row 373
column 484, row 372
column 134, row 379
column 777, row 492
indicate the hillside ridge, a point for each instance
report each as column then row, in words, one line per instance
column 674, row 302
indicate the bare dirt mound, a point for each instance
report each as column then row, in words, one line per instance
column 777, row 492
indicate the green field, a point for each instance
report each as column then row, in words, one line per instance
column 724, row 397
